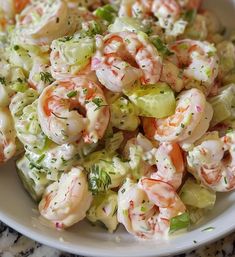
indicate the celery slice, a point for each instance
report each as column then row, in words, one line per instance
column 127, row 24
column 196, row 195
column 157, row 101
column 223, row 104
column 179, row 222
column 34, row 180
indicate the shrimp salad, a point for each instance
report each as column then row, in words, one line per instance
column 120, row 112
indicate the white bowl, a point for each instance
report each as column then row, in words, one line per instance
column 18, row 211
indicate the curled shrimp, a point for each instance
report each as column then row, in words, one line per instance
column 42, row 21
column 198, row 60
column 66, row 201
column 145, row 209
column 213, row 162
column 190, row 115
column 170, row 164
column 73, row 109
column 132, row 8
column 7, row 135
column 122, row 58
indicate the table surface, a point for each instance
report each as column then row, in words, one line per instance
column 13, row 244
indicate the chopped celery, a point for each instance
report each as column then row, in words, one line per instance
column 190, row 15
column 19, row 87
column 124, row 114
column 75, row 52
column 156, row 100
column 179, row 222
column 106, row 12
column 20, row 100
column 29, row 130
column 196, row 214
column 196, row 195
column 223, row 104
column 114, row 142
column 104, row 209
column 229, row 77
column 127, row 24
column 34, row 180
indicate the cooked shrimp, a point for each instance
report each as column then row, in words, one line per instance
column 190, row 108
column 146, row 208
column 42, row 21
column 166, row 11
column 66, row 201
column 7, row 135
column 132, row 8
column 198, row 60
column 170, row 164
column 69, row 110
column 138, row 150
column 122, row 58
column 213, row 163
column 13, row 7
column 85, row 3
column 190, row 4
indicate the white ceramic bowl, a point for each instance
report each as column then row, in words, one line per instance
column 18, row 211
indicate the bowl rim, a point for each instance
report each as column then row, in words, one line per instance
column 53, row 243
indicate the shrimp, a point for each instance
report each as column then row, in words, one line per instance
column 138, row 151
column 7, row 135
column 213, row 162
column 132, row 8
column 122, row 58
column 199, row 60
column 145, row 209
column 66, row 201
column 73, row 109
column 42, row 21
column 189, row 114
column 170, row 164
column 86, row 3
column 167, row 11
column 13, row 7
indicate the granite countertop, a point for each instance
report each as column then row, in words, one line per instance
column 12, row 244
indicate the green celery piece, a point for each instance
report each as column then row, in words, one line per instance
column 179, row 222
column 196, row 195
column 157, row 101
column 223, row 104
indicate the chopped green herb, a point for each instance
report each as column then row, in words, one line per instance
column 98, row 102
column 161, row 47
column 46, row 77
column 16, row 47
column 98, row 179
column 59, row 117
column 208, row 229
column 41, row 158
column 3, row 81
column 72, row 94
